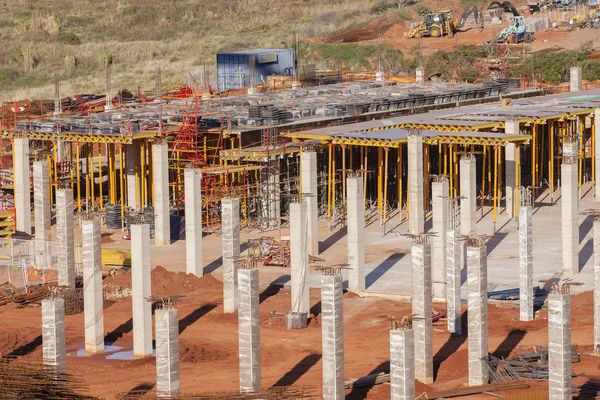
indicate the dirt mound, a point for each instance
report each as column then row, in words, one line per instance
column 201, row 353
column 355, row 33
column 453, row 367
column 167, row 283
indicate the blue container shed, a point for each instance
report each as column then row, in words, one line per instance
column 233, row 69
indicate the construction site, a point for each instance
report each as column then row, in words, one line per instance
column 332, row 235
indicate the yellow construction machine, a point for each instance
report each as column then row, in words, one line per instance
column 437, row 24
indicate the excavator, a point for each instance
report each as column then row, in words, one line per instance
column 516, row 32
column 441, row 23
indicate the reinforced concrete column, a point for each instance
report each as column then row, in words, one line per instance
column 271, row 195
column 510, row 157
column 41, row 201
column 468, row 194
column 440, row 192
column 416, row 221
column 477, row 312
column 167, row 352
column 193, row 221
column 299, row 257
column 525, row 255
column 130, row 167
column 597, row 152
column 230, row 216
column 559, row 346
column 570, row 212
column 53, row 334
column 421, row 307
column 65, row 241
column 332, row 320
column 249, row 329
column 160, row 175
column 308, row 160
column 453, row 267
column 402, row 367
column 141, row 290
column 596, row 282
column 22, row 185
column 93, row 304
column 576, row 83
column 356, row 234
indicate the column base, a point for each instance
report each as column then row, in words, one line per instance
column 294, row 320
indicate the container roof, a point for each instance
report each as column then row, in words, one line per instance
column 256, row 51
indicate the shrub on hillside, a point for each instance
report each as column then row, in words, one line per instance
column 67, row 38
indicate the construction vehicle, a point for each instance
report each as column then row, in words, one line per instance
column 516, row 32
column 506, row 6
column 441, row 23
column 538, row 5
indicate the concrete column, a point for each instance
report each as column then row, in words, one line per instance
column 440, row 198
column 141, row 290
column 510, row 157
column 271, row 193
column 193, row 222
column 477, row 313
column 402, row 367
column 596, row 282
column 420, row 75
column 416, row 222
column 249, row 329
column 597, row 152
column 160, row 175
column 332, row 325
column 22, row 186
column 453, row 267
column 525, row 256
column 65, row 241
column 299, row 258
column 468, row 194
column 570, row 215
column 559, row 346
column 230, row 215
column 93, row 302
column 130, row 167
column 421, row 306
column 308, row 161
column 576, row 83
column 167, row 352
column 356, row 234
column 53, row 334
column 41, row 201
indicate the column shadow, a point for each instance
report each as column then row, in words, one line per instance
column 586, row 253
column 315, row 310
column 138, row 391
column 213, row 265
column 298, row 370
column 331, row 240
column 450, row 347
column 510, row 342
column 270, row 291
column 362, row 392
column 495, row 241
column 27, row 348
column 119, row 332
column 589, row 390
column 382, row 268
column 585, row 227
column 195, row 316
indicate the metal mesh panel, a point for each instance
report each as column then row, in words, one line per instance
column 332, row 317
column 249, row 330
column 525, row 264
column 402, row 368
column 478, row 314
column 356, row 234
column 421, row 306
column 230, row 212
column 167, row 352
column 92, row 286
column 559, row 346
column 65, row 241
column 53, row 334
column 453, row 249
column 299, row 257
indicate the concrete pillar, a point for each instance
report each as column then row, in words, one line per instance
column 167, row 352
column 576, row 83
column 453, row 279
column 596, row 282
column 53, row 334
column 41, row 201
column 22, row 186
column 332, row 325
column 477, row 313
column 525, row 255
column 299, row 258
column 416, row 222
column 420, row 75
column 308, row 161
column 559, row 346
column 130, row 167
column 193, row 222
column 93, row 302
column 160, row 175
column 230, row 216
column 356, row 233
column 510, row 156
column 440, row 198
column 141, row 290
column 65, row 241
column 570, row 213
column 402, row 367
column 597, row 151
column 249, row 329
column 421, row 307
column 468, row 194
column 271, row 193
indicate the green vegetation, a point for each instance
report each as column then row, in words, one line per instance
column 555, row 66
column 67, row 38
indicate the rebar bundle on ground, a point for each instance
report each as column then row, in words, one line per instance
column 274, row 393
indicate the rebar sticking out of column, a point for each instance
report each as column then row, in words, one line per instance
column 249, row 326
column 526, row 294
column 167, row 349
column 402, row 367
